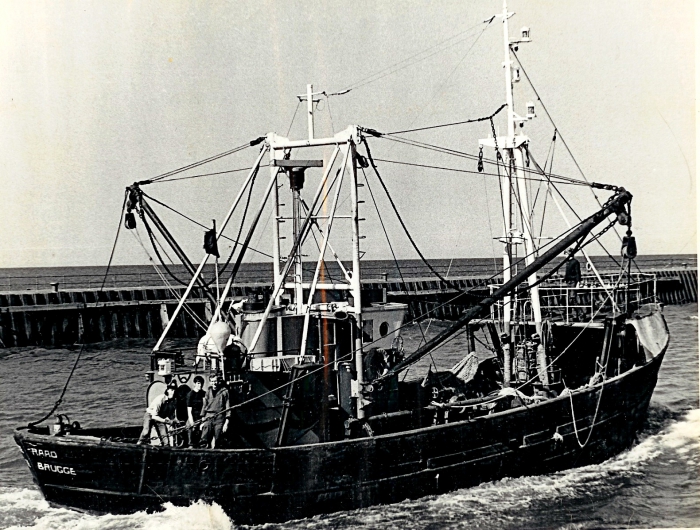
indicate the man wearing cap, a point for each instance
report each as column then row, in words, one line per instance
column 160, row 414
column 215, row 412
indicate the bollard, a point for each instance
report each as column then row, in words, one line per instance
column 54, row 287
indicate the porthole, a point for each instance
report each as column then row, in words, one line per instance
column 383, row 328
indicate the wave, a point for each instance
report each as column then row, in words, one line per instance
column 26, row 509
column 534, row 501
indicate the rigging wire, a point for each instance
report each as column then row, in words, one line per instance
column 82, row 337
column 561, row 195
column 216, row 173
column 430, row 267
column 471, row 172
column 554, row 125
column 488, row 217
column 151, row 236
column 351, row 353
column 405, row 228
column 293, row 116
column 391, row 247
column 197, row 320
column 398, row 66
column 567, row 148
column 330, row 115
column 473, row 120
column 314, row 223
column 116, row 238
column 202, row 162
column 442, row 85
column 462, row 154
column 240, row 227
column 200, row 224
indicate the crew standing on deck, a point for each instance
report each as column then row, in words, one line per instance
column 215, row 413
column 195, row 401
column 160, row 414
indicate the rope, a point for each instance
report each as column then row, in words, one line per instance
column 63, row 392
column 551, row 363
column 463, row 154
column 81, row 338
column 600, row 395
column 592, row 185
column 240, row 228
column 352, row 352
column 561, row 195
column 391, row 248
column 114, row 246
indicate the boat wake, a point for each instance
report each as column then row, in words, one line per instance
column 555, row 500
column 565, row 499
column 26, row 509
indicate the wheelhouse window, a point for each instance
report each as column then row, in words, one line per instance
column 367, row 330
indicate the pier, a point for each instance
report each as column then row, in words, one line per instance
column 57, row 316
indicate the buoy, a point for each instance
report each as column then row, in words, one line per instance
column 219, row 333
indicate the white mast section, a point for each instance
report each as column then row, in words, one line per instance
column 506, row 180
column 513, row 147
column 274, row 172
column 355, row 283
column 252, row 172
column 530, row 251
column 310, row 100
column 321, row 253
column 278, row 286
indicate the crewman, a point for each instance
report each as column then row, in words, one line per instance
column 215, row 412
column 160, row 414
column 195, row 401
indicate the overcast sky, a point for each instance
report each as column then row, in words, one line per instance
column 96, row 95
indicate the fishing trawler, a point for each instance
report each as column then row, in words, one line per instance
column 322, row 417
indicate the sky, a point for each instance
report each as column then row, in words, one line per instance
column 97, row 95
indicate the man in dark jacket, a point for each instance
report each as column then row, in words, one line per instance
column 215, row 413
column 194, row 403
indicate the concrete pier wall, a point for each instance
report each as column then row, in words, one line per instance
column 47, row 318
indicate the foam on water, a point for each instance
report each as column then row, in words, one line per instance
column 26, row 509
column 502, row 503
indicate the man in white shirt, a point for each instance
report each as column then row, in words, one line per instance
column 160, row 414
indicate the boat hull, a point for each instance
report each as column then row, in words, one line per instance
column 265, row 485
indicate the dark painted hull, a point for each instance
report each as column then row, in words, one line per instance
column 257, row 485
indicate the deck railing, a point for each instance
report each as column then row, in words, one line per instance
column 588, row 299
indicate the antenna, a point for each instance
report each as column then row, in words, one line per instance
column 310, row 98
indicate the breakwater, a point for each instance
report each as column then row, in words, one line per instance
column 55, row 317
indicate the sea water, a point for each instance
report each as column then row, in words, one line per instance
column 654, row 484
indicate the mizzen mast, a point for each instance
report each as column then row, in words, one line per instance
column 511, row 148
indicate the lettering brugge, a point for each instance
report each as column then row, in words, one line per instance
column 63, row 470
